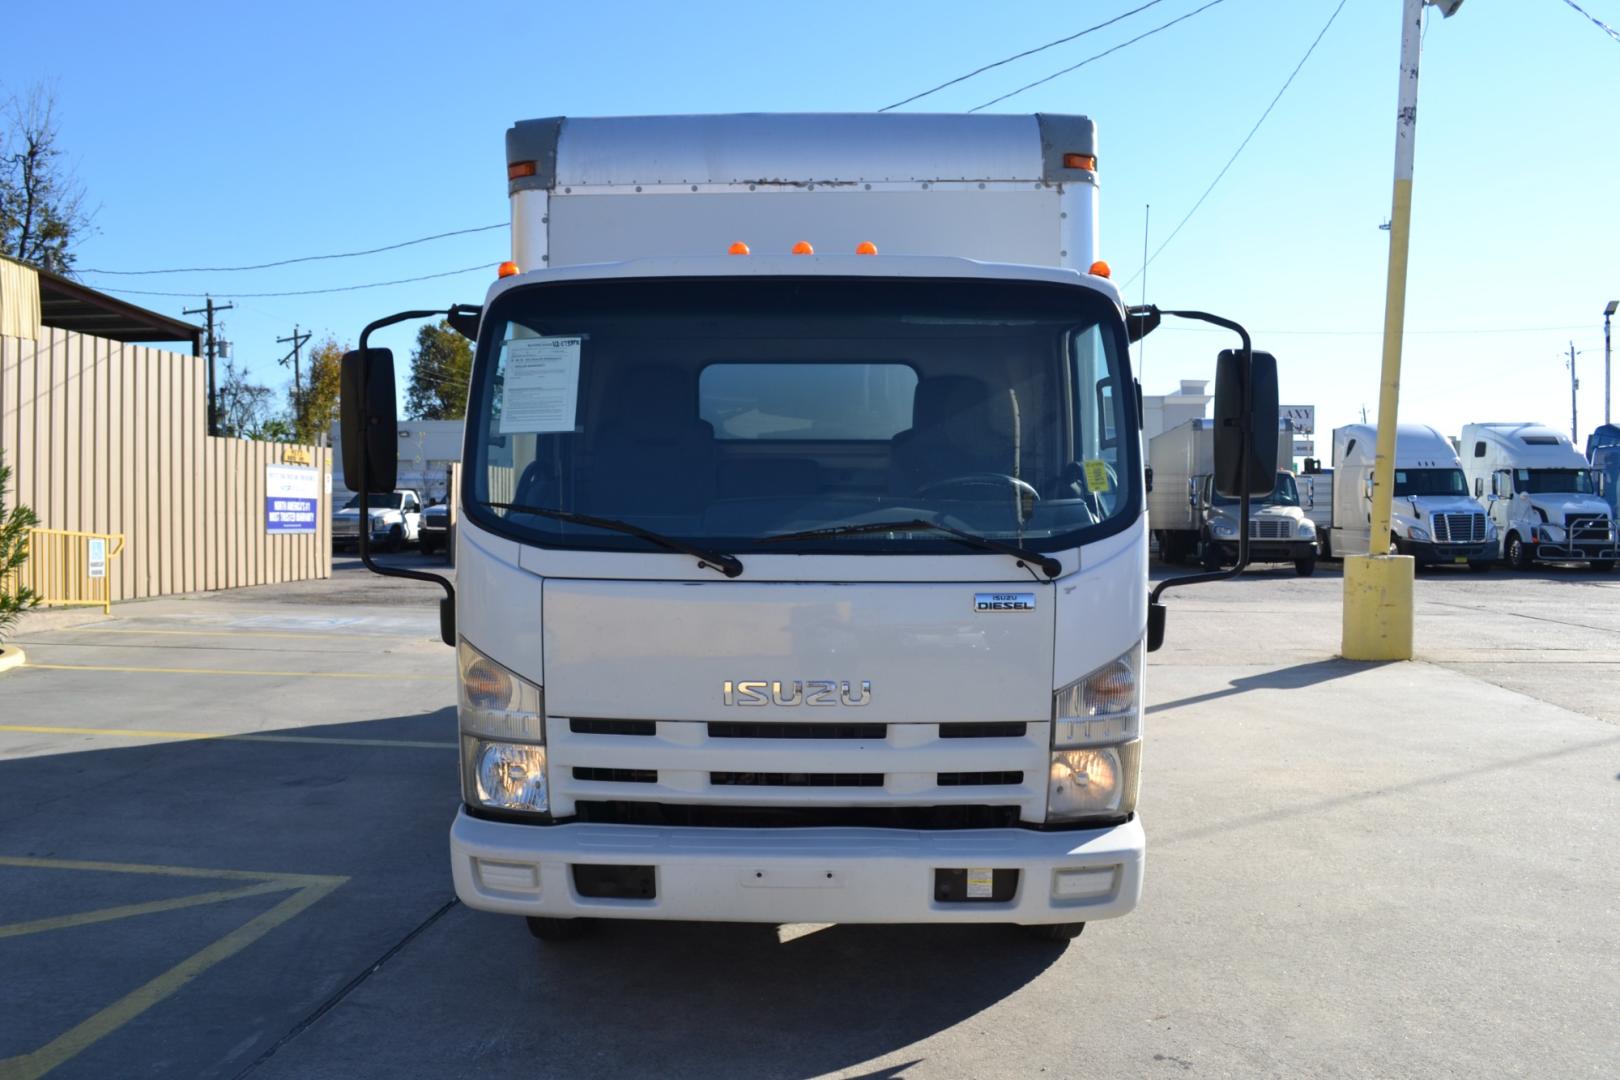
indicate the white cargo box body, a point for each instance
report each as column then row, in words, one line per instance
column 1177, row 457
column 1007, row 189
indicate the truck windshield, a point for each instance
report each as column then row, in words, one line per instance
column 1286, row 493
column 726, row 412
column 378, row 500
column 1554, row 481
column 1430, row 482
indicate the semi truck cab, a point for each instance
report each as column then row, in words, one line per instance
column 1541, row 494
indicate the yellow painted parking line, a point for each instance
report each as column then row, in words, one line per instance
column 152, row 907
column 232, row 632
column 191, row 736
column 234, row 671
column 308, row 888
column 159, row 870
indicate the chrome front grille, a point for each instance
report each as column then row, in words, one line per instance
column 720, row 766
column 1269, row 529
column 1463, row 528
column 1589, row 530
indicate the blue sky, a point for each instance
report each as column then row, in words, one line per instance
column 221, row 135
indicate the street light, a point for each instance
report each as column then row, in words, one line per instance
column 1608, row 313
column 1378, row 586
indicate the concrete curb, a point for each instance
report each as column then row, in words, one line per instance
column 44, row 620
column 10, row 657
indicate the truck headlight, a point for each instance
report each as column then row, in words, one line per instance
column 1490, row 529
column 1417, row 532
column 1225, row 530
column 1096, row 752
column 1307, row 527
column 506, row 776
column 503, row 735
column 1551, row 532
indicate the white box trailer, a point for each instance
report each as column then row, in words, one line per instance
column 1189, row 520
column 1433, row 517
column 801, row 550
column 1540, row 493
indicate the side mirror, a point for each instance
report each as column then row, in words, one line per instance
column 1155, row 626
column 369, row 415
column 1148, row 473
column 1246, row 422
column 1479, row 486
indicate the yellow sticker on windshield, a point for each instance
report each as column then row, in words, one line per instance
column 1096, row 474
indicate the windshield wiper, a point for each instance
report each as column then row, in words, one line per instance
column 1049, row 566
column 729, row 565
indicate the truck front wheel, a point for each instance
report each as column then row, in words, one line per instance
column 1519, row 553
column 1062, row 931
column 1305, row 567
column 558, row 929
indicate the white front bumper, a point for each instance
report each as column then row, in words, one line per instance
column 833, row 875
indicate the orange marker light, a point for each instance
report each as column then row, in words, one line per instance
column 519, row 169
column 1102, row 269
column 866, row 247
column 1080, row 161
column 739, row 248
column 507, row 269
column 803, row 248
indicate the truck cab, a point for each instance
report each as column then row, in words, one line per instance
column 1433, row 516
column 801, row 541
column 1279, row 530
column 1541, row 494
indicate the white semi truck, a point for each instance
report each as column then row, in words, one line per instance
column 1190, row 519
column 1434, row 519
column 1541, row 495
column 802, row 554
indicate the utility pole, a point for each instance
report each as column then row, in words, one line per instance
column 297, row 340
column 1574, row 385
column 1378, row 586
column 1608, row 313
column 212, row 347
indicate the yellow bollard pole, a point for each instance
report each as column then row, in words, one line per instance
column 1378, row 586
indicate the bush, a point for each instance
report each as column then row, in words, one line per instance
column 15, row 598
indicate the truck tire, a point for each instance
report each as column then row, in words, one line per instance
column 1304, row 567
column 1520, row 556
column 1062, row 931
column 546, row 929
column 1602, row 566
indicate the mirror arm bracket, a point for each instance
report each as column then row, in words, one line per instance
column 1151, row 314
column 447, row 605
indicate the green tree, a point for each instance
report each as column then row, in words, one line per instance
column 321, row 385
column 42, row 211
column 440, row 368
column 15, row 598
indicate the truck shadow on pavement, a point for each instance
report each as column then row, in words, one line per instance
column 383, row 973
column 1293, row 677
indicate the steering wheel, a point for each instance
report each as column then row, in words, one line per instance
column 1025, row 492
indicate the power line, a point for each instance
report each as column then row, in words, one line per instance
column 1369, row 333
column 1099, row 56
column 302, row 292
column 1599, row 23
column 300, row 259
column 1229, row 162
column 1019, row 56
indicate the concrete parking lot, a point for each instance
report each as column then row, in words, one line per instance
column 223, row 853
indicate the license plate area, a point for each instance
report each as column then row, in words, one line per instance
column 607, row 882
column 974, row 885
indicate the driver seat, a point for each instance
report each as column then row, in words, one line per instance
column 959, row 426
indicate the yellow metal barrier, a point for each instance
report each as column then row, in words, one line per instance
column 62, row 567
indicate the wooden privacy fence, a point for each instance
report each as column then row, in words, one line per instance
column 68, row 569
column 110, row 438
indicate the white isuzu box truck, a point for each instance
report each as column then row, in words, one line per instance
column 1540, row 493
column 801, row 552
column 1434, row 518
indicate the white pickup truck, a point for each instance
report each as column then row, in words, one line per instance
column 396, row 520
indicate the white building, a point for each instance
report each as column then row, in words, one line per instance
column 427, row 449
column 1161, row 412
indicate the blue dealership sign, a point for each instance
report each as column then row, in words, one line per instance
column 291, row 499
